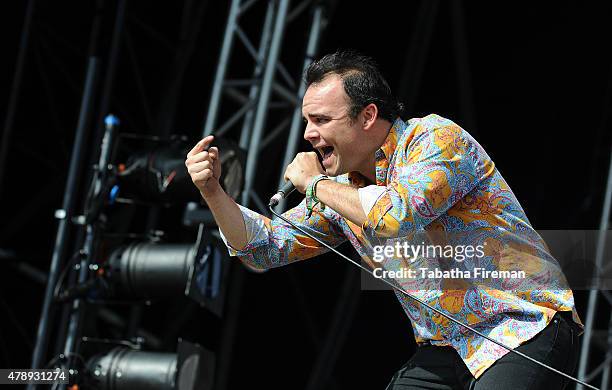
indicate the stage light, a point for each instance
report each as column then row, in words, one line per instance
column 159, row 174
column 121, row 368
column 149, row 270
column 144, row 271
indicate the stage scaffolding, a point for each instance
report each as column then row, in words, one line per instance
column 270, row 78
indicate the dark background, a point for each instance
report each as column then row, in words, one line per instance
column 534, row 90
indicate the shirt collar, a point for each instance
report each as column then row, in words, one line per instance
column 395, row 133
column 383, row 155
column 387, row 149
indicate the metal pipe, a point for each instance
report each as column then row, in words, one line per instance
column 593, row 294
column 264, row 42
column 247, row 43
column 69, row 345
column 296, row 120
column 76, row 313
column 113, row 60
column 68, row 205
column 264, row 97
column 215, row 96
column 605, row 377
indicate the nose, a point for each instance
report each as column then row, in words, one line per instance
column 310, row 134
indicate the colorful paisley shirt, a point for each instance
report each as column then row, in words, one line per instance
column 432, row 177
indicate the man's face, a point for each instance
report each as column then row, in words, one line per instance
column 329, row 128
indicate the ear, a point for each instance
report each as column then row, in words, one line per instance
column 369, row 114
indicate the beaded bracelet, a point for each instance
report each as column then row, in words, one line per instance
column 311, row 194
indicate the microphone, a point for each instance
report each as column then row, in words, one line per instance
column 282, row 193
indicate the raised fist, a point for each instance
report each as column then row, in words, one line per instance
column 204, row 166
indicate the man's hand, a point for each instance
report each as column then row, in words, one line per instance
column 302, row 169
column 204, row 167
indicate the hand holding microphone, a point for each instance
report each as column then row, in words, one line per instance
column 282, row 193
column 298, row 174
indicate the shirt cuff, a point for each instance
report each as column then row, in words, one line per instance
column 255, row 231
column 369, row 195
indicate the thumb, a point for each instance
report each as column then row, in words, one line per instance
column 213, row 152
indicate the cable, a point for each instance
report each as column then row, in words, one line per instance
column 433, row 308
column 60, row 279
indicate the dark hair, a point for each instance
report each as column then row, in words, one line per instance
column 362, row 82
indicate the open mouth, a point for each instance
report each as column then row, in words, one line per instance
column 325, row 152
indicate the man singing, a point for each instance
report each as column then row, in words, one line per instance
column 383, row 180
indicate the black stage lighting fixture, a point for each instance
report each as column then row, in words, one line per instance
column 143, row 271
column 150, row 270
column 122, row 368
column 159, row 174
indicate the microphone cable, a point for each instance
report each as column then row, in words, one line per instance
column 433, row 308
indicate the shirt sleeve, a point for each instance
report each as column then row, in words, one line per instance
column 255, row 229
column 429, row 175
column 368, row 196
column 273, row 242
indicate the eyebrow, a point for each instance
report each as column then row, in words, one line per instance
column 316, row 115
